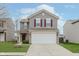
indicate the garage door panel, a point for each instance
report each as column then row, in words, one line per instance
column 1, row 37
column 43, row 37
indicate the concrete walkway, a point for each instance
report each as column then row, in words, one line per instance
column 48, row 50
column 12, row 54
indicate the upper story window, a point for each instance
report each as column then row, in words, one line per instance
column 1, row 24
column 47, row 22
column 21, row 25
column 38, row 22
column 25, row 25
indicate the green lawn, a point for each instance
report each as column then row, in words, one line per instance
column 73, row 47
column 10, row 47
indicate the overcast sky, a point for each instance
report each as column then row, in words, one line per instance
column 64, row 11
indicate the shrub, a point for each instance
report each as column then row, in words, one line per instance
column 13, row 41
column 18, row 46
column 25, row 41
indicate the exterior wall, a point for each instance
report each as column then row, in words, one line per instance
column 67, row 32
column 10, row 30
column 75, row 32
column 71, row 32
column 43, row 17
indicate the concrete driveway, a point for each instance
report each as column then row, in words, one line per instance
column 47, row 50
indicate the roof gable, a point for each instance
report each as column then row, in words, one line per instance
column 75, row 22
column 43, row 10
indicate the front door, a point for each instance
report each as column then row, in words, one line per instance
column 23, row 37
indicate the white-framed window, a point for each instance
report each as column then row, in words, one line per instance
column 48, row 22
column 1, row 24
column 42, row 22
column 22, row 25
column 38, row 22
column 25, row 25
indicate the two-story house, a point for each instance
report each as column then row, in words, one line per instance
column 6, row 29
column 40, row 27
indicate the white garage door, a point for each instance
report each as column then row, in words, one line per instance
column 43, row 37
column 2, row 37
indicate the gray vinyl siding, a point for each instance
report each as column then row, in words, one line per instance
column 71, row 31
column 43, row 17
column 8, row 27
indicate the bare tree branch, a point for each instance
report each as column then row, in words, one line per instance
column 3, row 11
column 2, row 8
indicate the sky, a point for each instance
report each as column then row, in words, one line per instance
column 64, row 11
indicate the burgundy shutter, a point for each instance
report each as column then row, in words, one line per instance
column 51, row 23
column 34, row 22
column 44, row 22
column 41, row 23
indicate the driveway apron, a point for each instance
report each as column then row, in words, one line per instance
column 47, row 50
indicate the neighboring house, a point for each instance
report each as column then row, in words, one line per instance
column 40, row 27
column 71, row 31
column 6, row 29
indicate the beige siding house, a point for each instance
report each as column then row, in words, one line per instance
column 6, row 29
column 71, row 31
column 40, row 27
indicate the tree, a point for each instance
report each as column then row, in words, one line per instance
column 3, row 11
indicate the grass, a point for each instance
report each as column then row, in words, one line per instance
column 73, row 47
column 10, row 47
